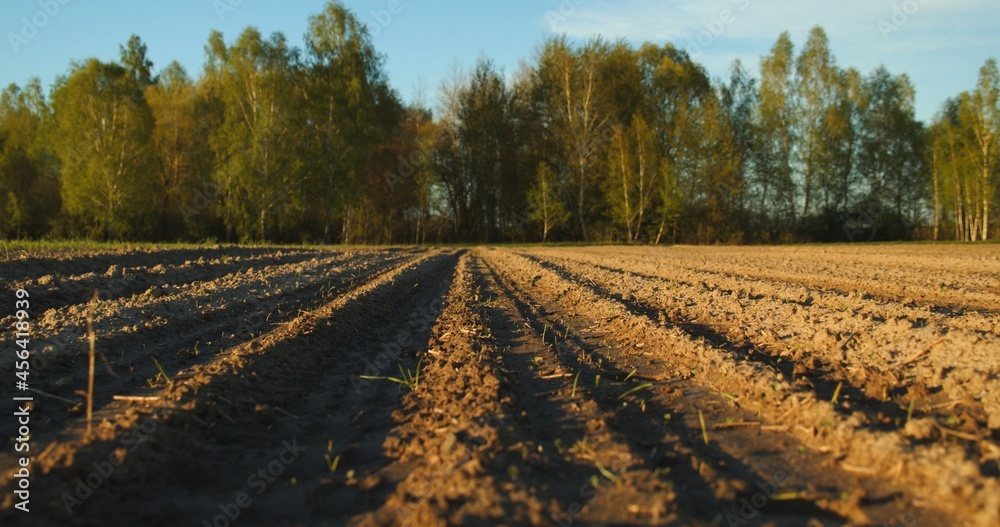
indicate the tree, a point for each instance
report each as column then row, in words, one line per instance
column 717, row 172
column 485, row 139
column 816, row 76
column 15, row 216
column 104, row 144
column 890, row 146
column 350, row 108
column 181, row 154
column 133, row 57
column 953, row 167
column 845, row 120
column 775, row 188
column 674, row 85
column 937, row 135
column 980, row 111
column 633, row 162
column 29, row 178
column 836, row 171
column 738, row 99
column 260, row 163
column 544, row 204
column 478, row 156
column 418, row 189
column 570, row 80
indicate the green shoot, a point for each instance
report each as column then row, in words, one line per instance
column 704, row 429
column 730, row 396
column 163, row 373
column 634, row 389
column 786, row 496
column 331, row 465
column 605, row 472
column 575, row 380
column 407, row 378
column 836, row 393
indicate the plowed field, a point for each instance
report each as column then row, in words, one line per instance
column 848, row 385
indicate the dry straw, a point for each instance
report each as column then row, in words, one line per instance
column 90, row 373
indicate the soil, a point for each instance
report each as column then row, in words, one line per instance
column 846, row 385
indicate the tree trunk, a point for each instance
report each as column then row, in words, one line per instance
column 579, row 205
column 628, row 210
column 986, row 195
column 263, row 225
column 960, row 220
column 937, row 196
column 346, row 235
column 642, row 187
column 659, row 234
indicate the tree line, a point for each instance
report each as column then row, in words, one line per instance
column 598, row 141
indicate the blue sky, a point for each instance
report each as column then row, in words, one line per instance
column 941, row 44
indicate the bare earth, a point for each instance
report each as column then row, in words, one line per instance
column 841, row 385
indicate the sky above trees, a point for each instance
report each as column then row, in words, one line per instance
column 940, row 45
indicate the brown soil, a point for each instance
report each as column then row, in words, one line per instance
column 574, row 386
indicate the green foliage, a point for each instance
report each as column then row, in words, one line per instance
column 633, row 162
column 965, row 143
column 351, row 109
column 136, row 63
column 773, row 177
column 182, row 153
column 260, row 164
column 890, row 141
column 29, row 185
column 104, row 144
column 543, row 201
column 15, row 216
